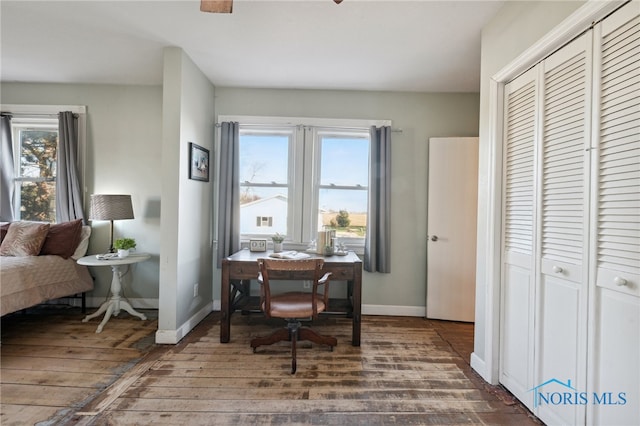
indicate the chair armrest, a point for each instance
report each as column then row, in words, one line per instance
column 324, row 278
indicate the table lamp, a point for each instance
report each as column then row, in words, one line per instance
column 110, row 207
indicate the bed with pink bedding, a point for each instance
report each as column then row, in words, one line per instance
column 27, row 280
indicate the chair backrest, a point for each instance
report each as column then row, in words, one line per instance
column 289, row 269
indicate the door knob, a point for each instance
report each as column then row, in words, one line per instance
column 619, row 281
column 557, row 269
column 434, row 238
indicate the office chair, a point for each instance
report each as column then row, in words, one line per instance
column 293, row 306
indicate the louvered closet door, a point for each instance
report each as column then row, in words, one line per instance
column 616, row 238
column 517, row 291
column 561, row 320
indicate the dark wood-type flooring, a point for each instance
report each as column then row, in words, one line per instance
column 409, row 371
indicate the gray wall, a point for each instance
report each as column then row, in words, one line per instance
column 186, row 240
column 420, row 116
column 124, row 135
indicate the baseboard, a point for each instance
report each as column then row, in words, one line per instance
column 480, row 367
column 390, row 310
column 393, row 310
column 137, row 303
column 171, row 337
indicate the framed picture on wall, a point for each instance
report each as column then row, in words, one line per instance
column 198, row 162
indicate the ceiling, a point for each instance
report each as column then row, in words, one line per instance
column 393, row 45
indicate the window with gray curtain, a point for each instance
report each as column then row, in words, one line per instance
column 330, row 158
column 41, row 157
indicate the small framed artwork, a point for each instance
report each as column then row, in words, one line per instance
column 198, row 162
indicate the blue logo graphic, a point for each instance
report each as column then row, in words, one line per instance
column 565, row 394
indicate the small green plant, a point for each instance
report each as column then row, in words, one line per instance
column 278, row 238
column 124, row 243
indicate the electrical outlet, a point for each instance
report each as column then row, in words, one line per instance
column 195, row 290
column 306, row 284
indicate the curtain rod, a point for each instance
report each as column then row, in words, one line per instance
column 393, row 130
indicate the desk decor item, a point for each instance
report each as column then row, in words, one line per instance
column 277, row 242
column 198, row 162
column 110, row 207
column 257, row 245
column 326, row 242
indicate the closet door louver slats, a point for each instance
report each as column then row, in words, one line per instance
column 619, row 166
column 563, row 161
column 519, row 170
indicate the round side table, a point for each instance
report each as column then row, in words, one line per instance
column 114, row 304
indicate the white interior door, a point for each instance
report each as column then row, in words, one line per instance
column 452, row 213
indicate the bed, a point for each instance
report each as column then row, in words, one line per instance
column 35, row 269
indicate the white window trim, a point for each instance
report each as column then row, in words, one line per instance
column 302, row 124
column 19, row 111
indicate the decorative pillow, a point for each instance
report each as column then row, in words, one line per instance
column 24, row 238
column 4, row 227
column 62, row 239
column 81, row 250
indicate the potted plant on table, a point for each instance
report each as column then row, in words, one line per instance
column 277, row 242
column 123, row 245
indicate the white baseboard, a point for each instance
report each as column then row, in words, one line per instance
column 171, row 337
column 392, row 310
column 137, row 303
column 480, row 367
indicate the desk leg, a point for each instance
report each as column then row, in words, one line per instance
column 114, row 304
column 357, row 306
column 225, row 293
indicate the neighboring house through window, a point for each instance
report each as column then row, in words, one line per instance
column 299, row 176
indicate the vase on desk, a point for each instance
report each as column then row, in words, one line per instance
column 277, row 247
column 122, row 253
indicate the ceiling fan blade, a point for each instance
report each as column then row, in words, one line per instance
column 216, row 6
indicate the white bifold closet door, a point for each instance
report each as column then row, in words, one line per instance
column 615, row 279
column 570, row 290
column 563, row 213
column 517, row 290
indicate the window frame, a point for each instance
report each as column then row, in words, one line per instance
column 304, row 167
column 18, row 125
column 23, row 112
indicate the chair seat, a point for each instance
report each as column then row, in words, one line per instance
column 293, row 305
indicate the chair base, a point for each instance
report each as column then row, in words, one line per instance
column 293, row 333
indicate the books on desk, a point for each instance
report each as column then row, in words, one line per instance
column 291, row 254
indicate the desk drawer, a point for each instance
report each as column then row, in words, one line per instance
column 340, row 272
column 243, row 270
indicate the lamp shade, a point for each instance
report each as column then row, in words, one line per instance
column 110, row 207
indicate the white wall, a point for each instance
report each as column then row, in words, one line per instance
column 516, row 27
column 124, row 134
column 186, row 240
column 420, row 116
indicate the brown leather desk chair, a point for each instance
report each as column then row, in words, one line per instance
column 293, row 306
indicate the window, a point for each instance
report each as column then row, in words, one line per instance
column 296, row 179
column 35, row 151
column 34, row 131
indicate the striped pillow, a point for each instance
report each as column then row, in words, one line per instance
column 24, row 238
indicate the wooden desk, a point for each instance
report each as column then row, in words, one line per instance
column 240, row 268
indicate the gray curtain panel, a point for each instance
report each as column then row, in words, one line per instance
column 229, row 191
column 7, row 173
column 377, row 246
column 68, row 185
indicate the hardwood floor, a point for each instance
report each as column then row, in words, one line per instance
column 407, row 371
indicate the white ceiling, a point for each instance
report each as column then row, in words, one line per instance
column 392, row 45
